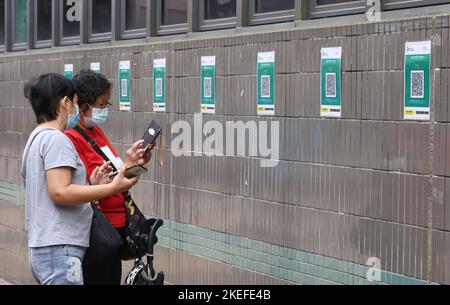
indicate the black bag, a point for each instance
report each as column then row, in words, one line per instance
column 136, row 223
column 104, row 238
column 136, row 226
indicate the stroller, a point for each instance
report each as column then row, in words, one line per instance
column 144, row 274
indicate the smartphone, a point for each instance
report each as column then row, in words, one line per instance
column 151, row 134
column 132, row 172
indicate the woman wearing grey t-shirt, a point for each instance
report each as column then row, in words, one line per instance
column 57, row 205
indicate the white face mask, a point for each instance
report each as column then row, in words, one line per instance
column 99, row 117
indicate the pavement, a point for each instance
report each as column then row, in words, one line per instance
column 3, row 282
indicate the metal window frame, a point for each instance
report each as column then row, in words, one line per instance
column 338, row 9
column 23, row 45
column 130, row 34
column 70, row 40
column 37, row 44
column 99, row 37
column 161, row 29
column 272, row 17
column 215, row 24
column 5, row 27
column 402, row 4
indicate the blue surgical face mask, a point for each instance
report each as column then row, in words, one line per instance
column 73, row 119
column 99, row 117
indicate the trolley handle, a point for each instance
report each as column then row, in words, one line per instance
column 152, row 238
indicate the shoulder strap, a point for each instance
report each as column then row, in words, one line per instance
column 94, row 145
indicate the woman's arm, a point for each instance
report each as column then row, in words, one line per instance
column 63, row 192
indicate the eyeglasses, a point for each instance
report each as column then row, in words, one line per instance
column 108, row 105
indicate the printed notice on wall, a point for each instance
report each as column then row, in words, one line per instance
column 208, row 83
column 68, row 71
column 124, row 85
column 266, row 83
column 95, row 66
column 417, row 81
column 159, row 85
column 331, row 75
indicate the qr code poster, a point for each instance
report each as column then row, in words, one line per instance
column 68, row 71
column 266, row 83
column 417, row 81
column 208, row 82
column 95, row 66
column 159, row 85
column 124, row 85
column 331, row 75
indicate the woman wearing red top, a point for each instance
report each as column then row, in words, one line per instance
column 94, row 91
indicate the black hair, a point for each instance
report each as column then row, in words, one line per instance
column 44, row 94
column 89, row 85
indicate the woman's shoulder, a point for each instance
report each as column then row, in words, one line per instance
column 50, row 134
column 72, row 133
column 50, row 139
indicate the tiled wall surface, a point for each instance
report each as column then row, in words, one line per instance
column 366, row 185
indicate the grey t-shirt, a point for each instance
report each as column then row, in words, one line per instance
column 47, row 223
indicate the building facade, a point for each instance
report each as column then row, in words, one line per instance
column 360, row 199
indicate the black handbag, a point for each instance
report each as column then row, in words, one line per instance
column 136, row 223
column 104, row 238
column 136, row 226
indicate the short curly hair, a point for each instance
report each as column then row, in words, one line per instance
column 89, row 85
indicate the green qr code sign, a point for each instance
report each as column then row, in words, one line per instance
column 124, row 85
column 266, row 83
column 208, row 85
column 159, row 85
column 417, row 81
column 331, row 78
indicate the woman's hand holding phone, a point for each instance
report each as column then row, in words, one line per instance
column 121, row 183
column 134, row 154
column 147, row 155
column 137, row 155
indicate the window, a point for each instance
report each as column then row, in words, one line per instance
column 267, row 6
column 43, row 23
column 217, row 14
column 134, row 18
column 173, row 12
column 217, row 9
column 2, row 23
column 395, row 4
column 100, row 14
column 330, row 8
column 172, row 17
column 135, row 14
column 70, row 18
column 271, row 11
column 20, row 24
